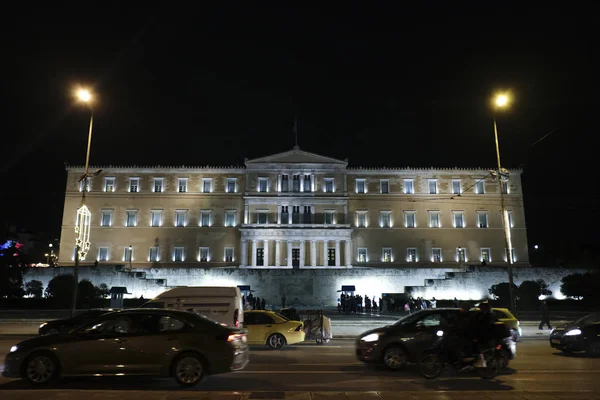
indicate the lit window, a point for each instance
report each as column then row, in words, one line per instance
column 131, row 218
column 410, row 219
column 461, row 255
column 434, row 219
column 362, row 255
column 361, row 186
column 87, row 185
column 159, row 185
column 436, row 255
column 128, row 254
column 109, row 184
column 179, row 254
column 153, row 254
column 486, row 255
column 180, row 218
column 480, row 187
column 262, row 217
column 102, row 253
column 361, row 219
column 409, row 186
column 230, row 185
column 433, row 186
column 230, row 218
column 182, row 185
column 329, row 185
column 482, row 219
column 155, row 218
column 206, row 185
column 456, row 186
column 386, row 219
column 505, row 186
column 204, row 254
column 411, row 254
column 329, row 217
column 205, row 218
column 262, row 185
column 459, row 219
column 386, row 254
column 229, row 254
column 106, row 218
column 307, row 184
column 134, row 185
column 384, row 186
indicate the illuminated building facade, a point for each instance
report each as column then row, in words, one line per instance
column 295, row 210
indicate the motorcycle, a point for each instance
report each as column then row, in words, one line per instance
column 433, row 361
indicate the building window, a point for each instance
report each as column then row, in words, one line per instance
column 106, row 218
column 385, row 219
column 434, row 219
column 459, row 219
column 505, row 186
column 295, row 214
column 384, row 186
column 482, row 219
column 182, row 185
column 156, row 218
column 285, row 183
column 179, row 254
column 285, row 216
column 260, row 257
column 230, row 185
column 480, row 187
column 329, row 217
column 330, row 257
column 361, row 219
column 87, row 185
column 461, row 254
column 102, row 253
column 411, row 254
column 410, row 219
column 262, row 185
column 134, row 185
column 456, row 186
column 109, row 184
column 329, row 186
column 153, row 254
column 510, row 219
column 433, row 189
column 436, row 255
column 307, row 184
column 307, row 215
column 205, row 218
column 180, row 218
column 362, row 255
column 409, row 186
column 229, row 254
column 296, row 183
column 361, row 186
column 386, row 254
column 131, row 218
column 262, row 217
column 204, row 254
column 230, row 218
column 486, row 255
column 159, row 185
column 128, row 254
column 206, row 185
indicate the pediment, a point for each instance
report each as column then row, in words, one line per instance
column 296, row 156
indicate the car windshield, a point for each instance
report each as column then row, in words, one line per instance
column 409, row 319
column 588, row 319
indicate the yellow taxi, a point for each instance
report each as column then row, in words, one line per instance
column 510, row 321
column 272, row 329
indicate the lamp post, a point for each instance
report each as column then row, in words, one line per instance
column 82, row 226
column 501, row 101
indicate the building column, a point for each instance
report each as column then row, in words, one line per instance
column 277, row 252
column 289, row 251
column 337, row 253
column 244, row 253
column 348, row 248
column 325, row 244
column 302, row 252
column 313, row 253
column 266, row 252
column 254, row 253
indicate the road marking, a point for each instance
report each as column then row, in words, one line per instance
column 381, row 376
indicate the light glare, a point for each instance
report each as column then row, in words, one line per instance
column 84, row 95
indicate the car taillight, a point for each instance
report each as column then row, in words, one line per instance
column 234, row 337
column 498, row 347
column 236, row 318
column 299, row 328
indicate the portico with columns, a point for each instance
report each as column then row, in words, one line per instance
column 296, row 248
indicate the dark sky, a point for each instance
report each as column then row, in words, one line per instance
column 377, row 85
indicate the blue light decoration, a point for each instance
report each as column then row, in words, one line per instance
column 7, row 245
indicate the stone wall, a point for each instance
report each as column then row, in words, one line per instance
column 312, row 287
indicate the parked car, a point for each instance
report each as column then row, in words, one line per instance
column 510, row 321
column 404, row 341
column 581, row 335
column 181, row 344
column 272, row 329
column 65, row 325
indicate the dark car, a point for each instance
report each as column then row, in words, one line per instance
column 404, row 341
column 581, row 335
column 181, row 344
column 65, row 325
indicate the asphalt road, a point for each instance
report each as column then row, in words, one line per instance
column 332, row 367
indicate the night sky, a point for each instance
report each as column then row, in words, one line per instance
column 379, row 86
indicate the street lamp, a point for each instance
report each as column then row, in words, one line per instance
column 501, row 101
column 82, row 226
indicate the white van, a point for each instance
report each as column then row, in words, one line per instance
column 219, row 303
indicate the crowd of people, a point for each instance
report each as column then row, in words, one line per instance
column 352, row 304
column 253, row 302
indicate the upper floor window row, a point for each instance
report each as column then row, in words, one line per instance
column 455, row 186
column 134, row 185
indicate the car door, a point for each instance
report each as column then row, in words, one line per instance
column 425, row 331
column 265, row 326
column 97, row 348
column 253, row 329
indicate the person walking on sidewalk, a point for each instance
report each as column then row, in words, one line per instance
column 545, row 315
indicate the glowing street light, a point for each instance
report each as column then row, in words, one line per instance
column 501, row 100
column 84, row 95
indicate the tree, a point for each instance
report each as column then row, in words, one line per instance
column 501, row 293
column 60, row 290
column 34, row 288
column 530, row 291
column 12, row 263
column 581, row 286
column 102, row 291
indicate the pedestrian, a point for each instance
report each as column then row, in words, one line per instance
column 456, row 303
column 545, row 315
column 433, row 302
column 283, row 301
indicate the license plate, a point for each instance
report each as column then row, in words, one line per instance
column 555, row 341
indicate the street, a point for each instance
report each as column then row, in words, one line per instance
column 332, row 368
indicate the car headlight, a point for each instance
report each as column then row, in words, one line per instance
column 573, row 332
column 43, row 325
column 370, row 338
column 13, row 349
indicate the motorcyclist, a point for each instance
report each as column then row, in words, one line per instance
column 460, row 336
column 484, row 331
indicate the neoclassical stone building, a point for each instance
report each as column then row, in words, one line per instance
column 294, row 210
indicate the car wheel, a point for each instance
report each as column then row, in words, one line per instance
column 276, row 341
column 430, row 365
column 593, row 349
column 189, row 369
column 394, row 357
column 40, row 368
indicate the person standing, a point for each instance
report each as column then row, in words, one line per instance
column 545, row 315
